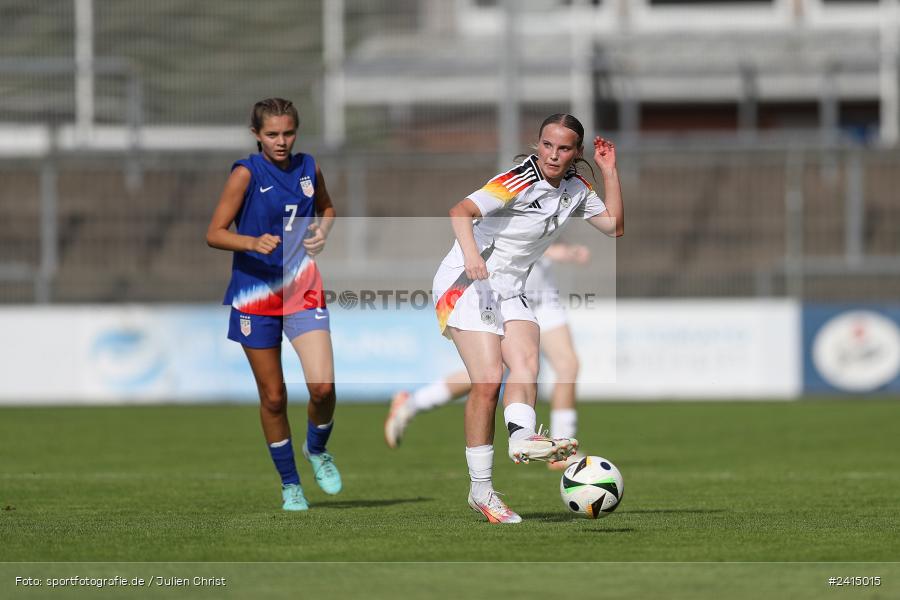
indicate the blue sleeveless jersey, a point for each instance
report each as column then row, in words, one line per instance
column 278, row 202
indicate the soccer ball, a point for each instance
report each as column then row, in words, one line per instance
column 592, row 487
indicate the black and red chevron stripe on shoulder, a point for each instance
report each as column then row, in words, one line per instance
column 507, row 186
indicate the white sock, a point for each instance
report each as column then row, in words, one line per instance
column 563, row 422
column 523, row 419
column 431, row 396
column 481, row 465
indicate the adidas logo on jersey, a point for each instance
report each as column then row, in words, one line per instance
column 536, row 204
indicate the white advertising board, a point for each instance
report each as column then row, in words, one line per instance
column 690, row 349
column 627, row 350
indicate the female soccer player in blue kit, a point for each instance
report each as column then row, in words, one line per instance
column 282, row 214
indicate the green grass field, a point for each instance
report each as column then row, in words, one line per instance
column 807, row 482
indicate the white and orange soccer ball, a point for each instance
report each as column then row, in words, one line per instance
column 592, row 487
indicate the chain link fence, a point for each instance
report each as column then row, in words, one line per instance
column 404, row 104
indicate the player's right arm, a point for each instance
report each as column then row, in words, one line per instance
column 494, row 195
column 219, row 235
column 461, row 217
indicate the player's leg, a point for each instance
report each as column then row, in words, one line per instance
column 311, row 340
column 520, row 350
column 480, row 352
column 405, row 405
column 266, row 366
column 558, row 348
column 477, row 339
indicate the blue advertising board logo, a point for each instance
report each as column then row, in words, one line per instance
column 851, row 348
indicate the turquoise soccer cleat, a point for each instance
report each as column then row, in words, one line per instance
column 325, row 471
column 294, row 499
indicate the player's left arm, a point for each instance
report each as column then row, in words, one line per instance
column 318, row 231
column 612, row 220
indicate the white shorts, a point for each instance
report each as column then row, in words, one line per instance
column 543, row 295
column 475, row 306
column 550, row 314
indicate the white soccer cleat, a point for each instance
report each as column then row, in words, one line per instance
column 562, row 465
column 541, row 447
column 494, row 509
column 398, row 418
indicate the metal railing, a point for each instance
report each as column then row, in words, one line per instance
column 812, row 223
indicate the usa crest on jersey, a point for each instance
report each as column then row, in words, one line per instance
column 306, row 186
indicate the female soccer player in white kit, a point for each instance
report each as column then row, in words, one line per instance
column 479, row 292
column 557, row 347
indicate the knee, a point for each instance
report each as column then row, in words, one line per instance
column 273, row 399
column 525, row 370
column 567, row 370
column 321, row 393
column 485, row 391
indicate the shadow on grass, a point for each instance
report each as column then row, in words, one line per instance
column 654, row 511
column 555, row 517
column 549, row 517
column 371, row 503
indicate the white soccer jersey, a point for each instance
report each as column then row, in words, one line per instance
column 522, row 214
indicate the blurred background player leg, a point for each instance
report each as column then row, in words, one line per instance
column 405, row 405
column 556, row 339
column 559, row 350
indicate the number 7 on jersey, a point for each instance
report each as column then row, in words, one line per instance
column 291, row 208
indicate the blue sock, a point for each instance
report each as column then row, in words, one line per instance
column 317, row 436
column 283, row 457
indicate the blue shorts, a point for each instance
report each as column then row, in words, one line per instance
column 264, row 331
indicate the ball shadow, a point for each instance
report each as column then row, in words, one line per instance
column 561, row 517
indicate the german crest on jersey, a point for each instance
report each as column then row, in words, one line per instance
column 566, row 200
column 245, row 325
column 307, row 187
